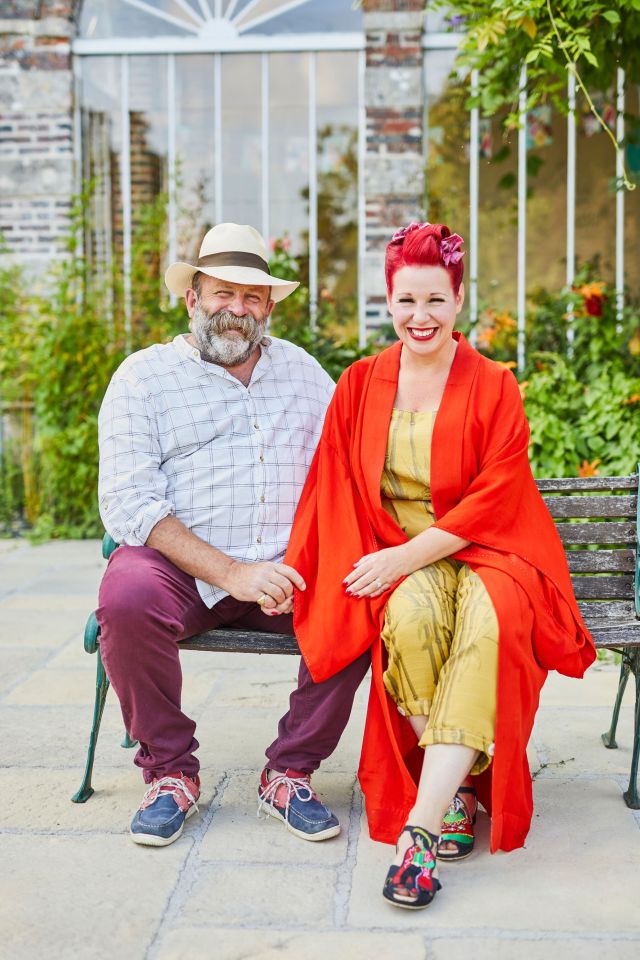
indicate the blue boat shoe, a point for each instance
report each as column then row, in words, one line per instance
column 289, row 797
column 166, row 805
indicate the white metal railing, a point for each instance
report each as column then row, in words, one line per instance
column 474, row 200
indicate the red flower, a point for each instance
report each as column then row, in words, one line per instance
column 593, row 306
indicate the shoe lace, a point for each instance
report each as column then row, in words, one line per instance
column 296, row 786
column 172, row 785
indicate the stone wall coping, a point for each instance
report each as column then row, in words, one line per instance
column 48, row 27
column 393, row 22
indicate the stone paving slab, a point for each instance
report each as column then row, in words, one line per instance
column 236, row 826
column 82, row 897
column 492, row 948
column 194, row 943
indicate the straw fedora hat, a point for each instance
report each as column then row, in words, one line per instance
column 233, row 252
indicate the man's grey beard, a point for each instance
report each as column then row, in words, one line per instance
column 208, row 332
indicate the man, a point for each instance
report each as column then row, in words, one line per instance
column 205, row 443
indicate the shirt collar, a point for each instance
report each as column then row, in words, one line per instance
column 187, row 350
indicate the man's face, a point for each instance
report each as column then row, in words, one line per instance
column 227, row 320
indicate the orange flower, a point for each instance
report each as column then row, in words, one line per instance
column 509, row 364
column 522, row 387
column 595, row 289
column 587, row 469
column 634, row 398
column 634, row 344
column 487, row 336
column 504, row 321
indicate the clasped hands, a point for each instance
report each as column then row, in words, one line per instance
column 271, row 584
column 268, row 584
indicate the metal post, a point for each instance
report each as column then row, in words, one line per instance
column 474, row 199
column 620, row 197
column 125, row 190
column 571, row 204
column 171, row 157
column 313, row 195
column 217, row 133
column 266, row 167
column 362, row 207
column 522, row 215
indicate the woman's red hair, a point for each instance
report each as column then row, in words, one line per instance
column 419, row 246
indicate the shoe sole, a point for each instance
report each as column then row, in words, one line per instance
column 407, row 906
column 150, row 840
column 313, row 837
column 454, row 859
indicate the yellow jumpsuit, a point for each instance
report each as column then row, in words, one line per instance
column 440, row 628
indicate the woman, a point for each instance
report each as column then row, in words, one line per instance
column 421, row 535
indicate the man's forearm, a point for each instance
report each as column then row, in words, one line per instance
column 188, row 552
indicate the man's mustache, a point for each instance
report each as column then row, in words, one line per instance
column 224, row 320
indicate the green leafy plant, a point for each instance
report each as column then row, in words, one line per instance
column 590, row 39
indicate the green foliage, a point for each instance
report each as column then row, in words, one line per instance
column 591, row 38
column 62, row 340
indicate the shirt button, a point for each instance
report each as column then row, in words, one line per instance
column 261, row 499
column 256, row 426
column 261, row 458
column 258, row 539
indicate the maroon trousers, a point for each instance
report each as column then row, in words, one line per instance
column 146, row 606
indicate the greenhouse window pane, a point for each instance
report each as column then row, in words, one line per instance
column 101, row 19
column 102, row 144
column 241, row 139
column 195, row 152
column 289, row 148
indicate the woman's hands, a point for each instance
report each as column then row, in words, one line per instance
column 376, row 572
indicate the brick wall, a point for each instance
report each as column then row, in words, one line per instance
column 394, row 160
column 36, row 128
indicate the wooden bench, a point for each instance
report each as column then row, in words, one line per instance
column 599, row 523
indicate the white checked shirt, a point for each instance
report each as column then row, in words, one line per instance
column 182, row 436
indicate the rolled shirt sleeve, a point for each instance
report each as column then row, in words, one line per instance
column 131, row 488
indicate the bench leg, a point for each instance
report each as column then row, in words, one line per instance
column 609, row 738
column 631, row 796
column 102, row 685
column 128, row 742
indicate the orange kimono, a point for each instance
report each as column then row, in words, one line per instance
column 482, row 491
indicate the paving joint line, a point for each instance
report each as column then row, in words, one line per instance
column 344, row 881
column 180, row 891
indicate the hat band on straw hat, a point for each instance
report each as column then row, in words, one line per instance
column 234, row 259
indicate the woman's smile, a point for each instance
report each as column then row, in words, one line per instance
column 422, row 333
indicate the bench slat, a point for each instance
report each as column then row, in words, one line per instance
column 602, row 588
column 242, row 641
column 604, row 532
column 607, row 611
column 587, row 483
column 589, row 506
column 615, row 634
column 601, row 561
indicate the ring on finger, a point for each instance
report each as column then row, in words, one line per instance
column 377, row 584
column 263, row 599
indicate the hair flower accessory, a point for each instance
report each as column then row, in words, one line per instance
column 400, row 235
column 450, row 249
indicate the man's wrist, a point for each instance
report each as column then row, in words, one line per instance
column 228, row 577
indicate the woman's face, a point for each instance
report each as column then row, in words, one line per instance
column 424, row 308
